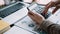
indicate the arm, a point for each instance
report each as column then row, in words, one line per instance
column 46, row 25
column 50, row 27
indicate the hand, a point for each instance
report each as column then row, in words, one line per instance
column 36, row 17
column 55, row 3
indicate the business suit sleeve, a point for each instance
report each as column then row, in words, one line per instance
column 50, row 27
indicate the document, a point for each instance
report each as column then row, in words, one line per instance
column 27, row 23
column 55, row 18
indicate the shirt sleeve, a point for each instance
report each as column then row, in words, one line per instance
column 50, row 27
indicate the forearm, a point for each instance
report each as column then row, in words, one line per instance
column 50, row 27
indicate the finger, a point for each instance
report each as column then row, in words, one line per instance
column 35, row 14
column 32, row 13
column 55, row 9
column 50, row 4
column 31, row 16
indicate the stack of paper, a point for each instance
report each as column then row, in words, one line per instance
column 4, row 26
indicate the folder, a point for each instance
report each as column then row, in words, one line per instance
column 4, row 26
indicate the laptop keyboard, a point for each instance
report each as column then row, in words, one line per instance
column 11, row 9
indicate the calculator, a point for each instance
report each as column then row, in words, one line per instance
column 38, row 8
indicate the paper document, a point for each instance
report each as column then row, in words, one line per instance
column 27, row 23
column 55, row 18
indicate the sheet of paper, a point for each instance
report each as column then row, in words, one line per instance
column 17, row 30
column 27, row 23
column 55, row 18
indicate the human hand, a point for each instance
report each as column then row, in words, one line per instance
column 53, row 3
column 36, row 17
